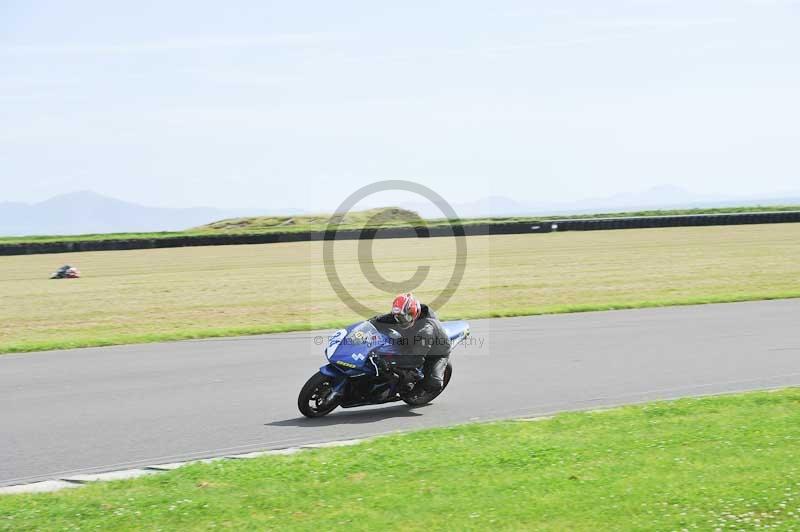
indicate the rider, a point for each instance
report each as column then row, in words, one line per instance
column 423, row 335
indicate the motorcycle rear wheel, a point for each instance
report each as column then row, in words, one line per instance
column 311, row 401
column 422, row 397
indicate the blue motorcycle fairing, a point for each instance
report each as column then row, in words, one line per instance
column 329, row 370
column 332, row 370
column 349, row 350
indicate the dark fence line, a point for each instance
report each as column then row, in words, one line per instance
column 509, row 228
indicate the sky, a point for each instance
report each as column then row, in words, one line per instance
column 298, row 104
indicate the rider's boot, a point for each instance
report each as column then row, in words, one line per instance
column 434, row 374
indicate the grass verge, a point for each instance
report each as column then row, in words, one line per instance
column 200, row 334
column 725, row 462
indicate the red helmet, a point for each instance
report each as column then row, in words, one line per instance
column 405, row 309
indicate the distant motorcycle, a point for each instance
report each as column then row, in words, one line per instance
column 66, row 272
column 366, row 368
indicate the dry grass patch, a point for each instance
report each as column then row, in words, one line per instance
column 145, row 295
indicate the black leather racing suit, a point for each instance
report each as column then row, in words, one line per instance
column 425, row 338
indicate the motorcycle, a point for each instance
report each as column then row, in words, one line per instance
column 66, row 272
column 366, row 367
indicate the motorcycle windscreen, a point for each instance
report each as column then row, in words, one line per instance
column 354, row 349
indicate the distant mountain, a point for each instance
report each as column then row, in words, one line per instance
column 492, row 204
column 481, row 208
column 88, row 212
column 660, row 197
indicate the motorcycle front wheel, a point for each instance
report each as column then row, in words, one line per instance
column 312, row 401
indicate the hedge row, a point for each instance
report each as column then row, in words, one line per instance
column 596, row 224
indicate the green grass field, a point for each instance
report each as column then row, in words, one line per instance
column 380, row 217
column 717, row 463
column 163, row 294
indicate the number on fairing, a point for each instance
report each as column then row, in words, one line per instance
column 334, row 341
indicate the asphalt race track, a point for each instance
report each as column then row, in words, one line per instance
column 102, row 409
